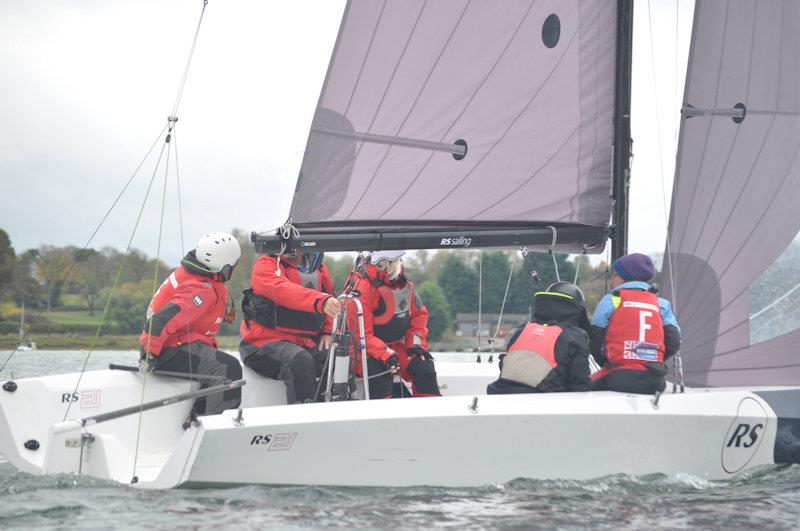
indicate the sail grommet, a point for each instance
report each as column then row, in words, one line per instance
column 739, row 119
column 457, row 153
column 10, row 386
column 551, row 31
column 31, row 444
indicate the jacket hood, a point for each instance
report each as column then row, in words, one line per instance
column 553, row 309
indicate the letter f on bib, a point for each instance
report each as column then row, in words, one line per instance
column 643, row 324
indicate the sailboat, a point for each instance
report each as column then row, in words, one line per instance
column 457, row 124
column 23, row 343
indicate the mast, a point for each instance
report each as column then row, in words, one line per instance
column 622, row 129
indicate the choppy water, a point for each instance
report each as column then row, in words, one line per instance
column 766, row 499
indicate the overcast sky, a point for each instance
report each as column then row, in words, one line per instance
column 87, row 85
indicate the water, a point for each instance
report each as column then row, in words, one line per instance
column 768, row 498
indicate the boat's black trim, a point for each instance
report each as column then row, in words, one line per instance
column 406, row 235
column 786, row 405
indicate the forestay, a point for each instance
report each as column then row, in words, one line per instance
column 736, row 194
column 456, row 113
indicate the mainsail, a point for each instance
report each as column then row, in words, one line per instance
column 728, row 265
column 455, row 115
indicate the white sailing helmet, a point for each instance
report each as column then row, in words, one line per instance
column 216, row 250
column 391, row 256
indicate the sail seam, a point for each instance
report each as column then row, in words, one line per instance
column 724, row 170
column 466, row 106
column 500, row 139
column 366, row 56
column 707, row 136
column 413, row 106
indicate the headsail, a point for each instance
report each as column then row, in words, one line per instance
column 737, row 190
column 459, row 115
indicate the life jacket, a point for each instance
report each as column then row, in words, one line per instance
column 209, row 322
column 392, row 314
column 635, row 335
column 280, row 318
column 532, row 356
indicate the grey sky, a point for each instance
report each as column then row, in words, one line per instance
column 88, row 85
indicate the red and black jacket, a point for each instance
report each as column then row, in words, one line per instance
column 394, row 314
column 285, row 304
column 188, row 306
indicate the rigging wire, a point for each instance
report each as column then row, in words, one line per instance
column 36, row 319
column 178, row 183
column 677, row 362
column 168, row 146
column 493, row 340
column 116, row 282
column 480, row 301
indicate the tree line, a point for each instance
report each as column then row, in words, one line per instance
column 450, row 282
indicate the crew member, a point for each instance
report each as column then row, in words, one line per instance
column 183, row 319
column 287, row 321
column 634, row 330
column 550, row 353
column 395, row 329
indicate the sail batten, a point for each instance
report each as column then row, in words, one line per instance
column 458, row 111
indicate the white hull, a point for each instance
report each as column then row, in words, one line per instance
column 709, row 433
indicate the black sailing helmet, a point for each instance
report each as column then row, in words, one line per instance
column 567, row 288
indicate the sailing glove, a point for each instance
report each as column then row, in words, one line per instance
column 392, row 364
column 420, row 353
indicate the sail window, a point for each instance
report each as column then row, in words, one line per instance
column 551, row 31
column 774, row 297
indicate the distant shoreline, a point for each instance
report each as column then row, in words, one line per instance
column 81, row 342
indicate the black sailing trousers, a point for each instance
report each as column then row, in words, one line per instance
column 198, row 358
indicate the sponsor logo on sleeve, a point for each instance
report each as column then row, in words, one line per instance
column 197, row 300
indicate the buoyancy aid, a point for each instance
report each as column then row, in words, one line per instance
column 392, row 314
column 635, row 335
column 532, row 356
column 265, row 312
column 206, row 326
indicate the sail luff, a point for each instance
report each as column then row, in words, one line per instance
column 733, row 238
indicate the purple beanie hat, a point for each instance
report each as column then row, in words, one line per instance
column 635, row 266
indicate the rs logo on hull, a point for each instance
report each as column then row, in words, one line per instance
column 744, row 435
column 747, row 432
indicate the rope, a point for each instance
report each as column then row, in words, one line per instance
column 189, row 61
column 503, row 305
column 38, row 316
column 551, row 250
column 178, row 182
column 677, row 363
column 116, row 282
column 480, row 299
column 155, row 287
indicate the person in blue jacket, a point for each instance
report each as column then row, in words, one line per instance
column 634, row 331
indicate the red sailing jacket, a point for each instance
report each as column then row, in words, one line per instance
column 187, row 307
column 635, row 335
column 393, row 314
column 298, row 300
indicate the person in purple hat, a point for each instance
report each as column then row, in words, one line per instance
column 634, row 330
